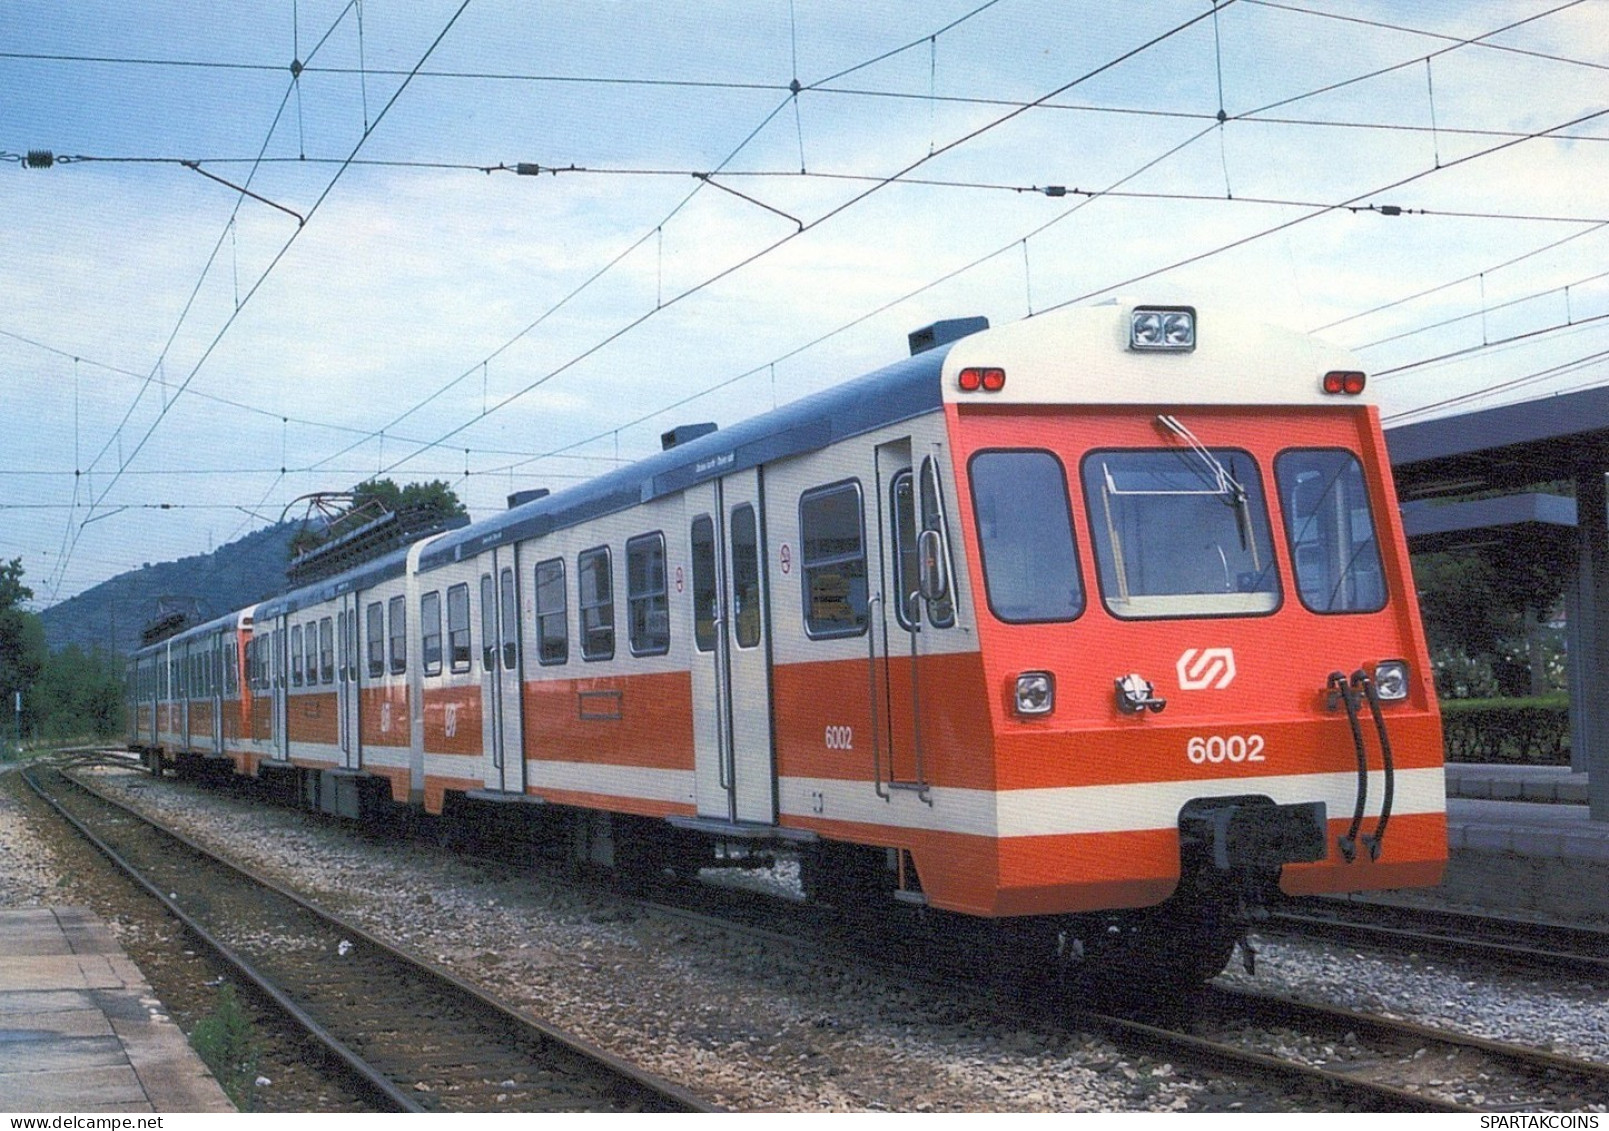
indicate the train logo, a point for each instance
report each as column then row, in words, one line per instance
column 1203, row 668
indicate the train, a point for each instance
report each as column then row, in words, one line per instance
column 1092, row 634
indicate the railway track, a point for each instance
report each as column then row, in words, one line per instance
column 1356, row 1060
column 1414, row 1057
column 1557, row 947
column 417, row 1038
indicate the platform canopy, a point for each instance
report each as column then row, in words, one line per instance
column 1510, row 448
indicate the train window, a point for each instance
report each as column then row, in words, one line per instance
column 1330, row 527
column 296, row 655
column 231, row 680
column 940, row 610
column 745, row 576
column 430, row 631
column 1025, row 536
column 310, row 653
column 833, row 561
column 1181, row 533
column 375, row 626
column 706, row 590
column 902, row 522
column 397, row 613
column 326, row 650
column 350, row 642
column 552, row 626
column 488, row 624
column 510, row 609
column 596, row 603
column 647, row 596
column 460, row 651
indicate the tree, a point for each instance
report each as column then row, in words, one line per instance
column 1482, row 608
column 416, row 505
column 22, row 642
column 79, row 695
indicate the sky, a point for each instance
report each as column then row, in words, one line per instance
column 282, row 247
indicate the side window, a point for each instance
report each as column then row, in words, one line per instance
column 1330, row 527
column 430, row 628
column 375, row 631
column 510, row 619
column 940, row 612
column 597, row 604
column 340, row 646
column 310, row 653
column 706, row 589
column 745, row 576
column 397, row 611
column 326, row 650
column 647, row 599
column 488, row 624
column 902, row 521
column 459, row 652
column 833, row 561
column 1025, row 536
column 296, row 655
column 552, row 625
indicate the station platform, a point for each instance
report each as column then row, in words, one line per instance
column 1521, row 838
column 81, row 1030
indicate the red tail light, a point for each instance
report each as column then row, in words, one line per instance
column 989, row 379
column 1349, row 382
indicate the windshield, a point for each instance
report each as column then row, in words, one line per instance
column 1180, row 532
column 1333, row 546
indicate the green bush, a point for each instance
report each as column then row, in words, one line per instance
column 1526, row 731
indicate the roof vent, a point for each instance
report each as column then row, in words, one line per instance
column 682, row 433
column 945, row 332
column 519, row 498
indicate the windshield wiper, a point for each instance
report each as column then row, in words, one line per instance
column 1228, row 486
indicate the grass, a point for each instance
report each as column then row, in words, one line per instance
column 226, row 1042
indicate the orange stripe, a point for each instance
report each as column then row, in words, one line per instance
column 384, row 716
column 453, row 721
column 610, row 802
column 311, row 717
column 641, row 720
column 1045, row 875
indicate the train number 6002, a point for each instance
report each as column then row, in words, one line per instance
column 1224, row 748
column 840, row 738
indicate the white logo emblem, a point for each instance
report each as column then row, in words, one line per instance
column 1201, row 668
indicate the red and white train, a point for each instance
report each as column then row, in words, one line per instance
column 1093, row 627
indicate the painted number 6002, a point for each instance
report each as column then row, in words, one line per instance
column 840, row 738
column 1224, row 748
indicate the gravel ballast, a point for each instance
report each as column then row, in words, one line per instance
column 747, row 1024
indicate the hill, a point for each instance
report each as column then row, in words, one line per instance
column 111, row 615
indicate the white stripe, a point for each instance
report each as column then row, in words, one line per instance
column 1096, row 808
column 636, row 782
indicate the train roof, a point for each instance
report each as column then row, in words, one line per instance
column 229, row 622
column 365, row 576
column 897, row 392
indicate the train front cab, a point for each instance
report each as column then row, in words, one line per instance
column 1196, row 624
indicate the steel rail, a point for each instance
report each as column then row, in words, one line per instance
column 672, row 1093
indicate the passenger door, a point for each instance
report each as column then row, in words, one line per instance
column 904, row 622
column 735, row 763
column 501, row 663
column 347, row 665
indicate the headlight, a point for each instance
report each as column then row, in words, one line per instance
column 1036, row 693
column 1391, row 680
column 1162, row 328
